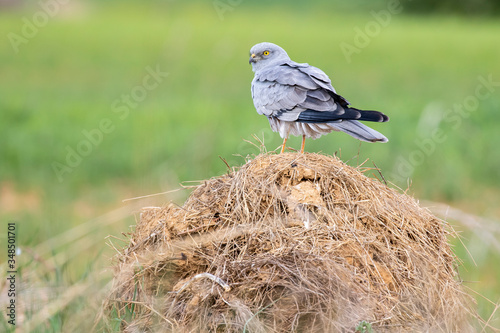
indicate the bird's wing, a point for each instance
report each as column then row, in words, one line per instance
column 284, row 91
column 321, row 79
column 272, row 98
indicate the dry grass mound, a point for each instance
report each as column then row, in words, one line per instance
column 290, row 243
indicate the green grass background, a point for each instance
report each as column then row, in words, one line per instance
column 65, row 79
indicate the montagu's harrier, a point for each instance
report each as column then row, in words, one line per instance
column 299, row 99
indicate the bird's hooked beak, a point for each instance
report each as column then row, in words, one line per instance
column 253, row 58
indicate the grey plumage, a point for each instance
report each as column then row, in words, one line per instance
column 299, row 99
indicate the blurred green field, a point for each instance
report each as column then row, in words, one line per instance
column 73, row 73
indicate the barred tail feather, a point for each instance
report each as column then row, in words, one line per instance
column 359, row 131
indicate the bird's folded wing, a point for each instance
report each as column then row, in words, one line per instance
column 286, row 74
column 312, row 116
column 285, row 91
column 320, row 79
column 277, row 100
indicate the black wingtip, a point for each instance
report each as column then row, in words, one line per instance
column 313, row 116
column 375, row 116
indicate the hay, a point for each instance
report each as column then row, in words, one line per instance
column 290, row 243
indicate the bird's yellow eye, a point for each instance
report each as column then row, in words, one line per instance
column 265, row 53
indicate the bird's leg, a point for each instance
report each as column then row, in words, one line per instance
column 283, row 146
column 303, row 144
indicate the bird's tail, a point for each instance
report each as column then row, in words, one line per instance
column 359, row 131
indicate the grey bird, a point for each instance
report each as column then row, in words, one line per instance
column 299, row 99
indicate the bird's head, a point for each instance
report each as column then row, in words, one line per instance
column 265, row 54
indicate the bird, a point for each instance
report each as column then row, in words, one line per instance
column 299, row 99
